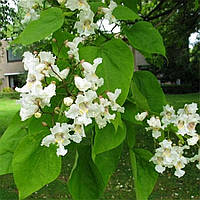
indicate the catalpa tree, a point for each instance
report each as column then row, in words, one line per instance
column 86, row 94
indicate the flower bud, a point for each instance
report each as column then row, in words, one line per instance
column 54, row 40
column 44, row 124
column 61, row 1
column 68, row 101
column 71, row 56
column 82, row 61
column 141, row 116
column 53, row 82
column 57, row 110
column 37, row 115
column 66, row 43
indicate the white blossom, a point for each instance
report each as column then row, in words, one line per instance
column 168, row 156
column 47, row 58
column 31, row 15
column 77, row 4
column 168, row 115
column 90, row 73
column 141, row 116
column 68, row 101
column 82, row 84
column 83, row 109
column 188, row 109
column 86, row 26
column 113, row 97
column 29, row 60
column 108, row 12
column 155, row 126
column 39, row 97
column 74, row 48
column 60, row 136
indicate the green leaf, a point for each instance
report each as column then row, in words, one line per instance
column 95, row 6
column 107, row 162
column 85, row 180
column 147, row 92
column 9, row 141
column 117, row 121
column 50, row 21
column 107, row 139
column 132, row 130
column 124, row 13
column 132, row 4
column 117, row 67
column 144, row 174
column 58, row 46
column 144, row 37
column 34, row 165
column 130, row 111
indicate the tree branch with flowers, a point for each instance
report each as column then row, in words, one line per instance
column 86, row 94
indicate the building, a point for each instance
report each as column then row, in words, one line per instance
column 10, row 67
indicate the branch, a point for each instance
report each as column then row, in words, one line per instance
column 167, row 12
column 164, row 20
column 156, row 8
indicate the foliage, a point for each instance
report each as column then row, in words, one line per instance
column 66, row 101
column 176, row 21
column 7, row 15
column 12, row 95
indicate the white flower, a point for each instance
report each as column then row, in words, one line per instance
column 168, row 115
column 141, row 116
column 193, row 140
column 31, row 15
column 74, row 48
column 113, row 97
column 68, row 101
column 47, row 58
column 36, row 99
column 89, row 68
column 77, row 4
column 79, row 132
column 29, row 60
column 155, row 126
column 55, row 72
column 82, row 84
column 27, row 4
column 188, row 109
column 61, row 1
column 86, row 26
column 170, row 156
column 89, row 72
column 108, row 12
column 103, row 117
column 60, row 136
column 83, row 109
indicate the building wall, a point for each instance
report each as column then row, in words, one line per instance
column 7, row 67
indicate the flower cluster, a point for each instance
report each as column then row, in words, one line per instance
column 86, row 26
column 183, row 125
column 29, row 6
column 87, row 106
column 34, row 96
column 168, row 155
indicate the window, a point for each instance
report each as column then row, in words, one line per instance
column 11, row 57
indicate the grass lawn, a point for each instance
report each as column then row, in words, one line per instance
column 120, row 186
column 8, row 109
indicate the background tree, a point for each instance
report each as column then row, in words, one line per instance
column 176, row 20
